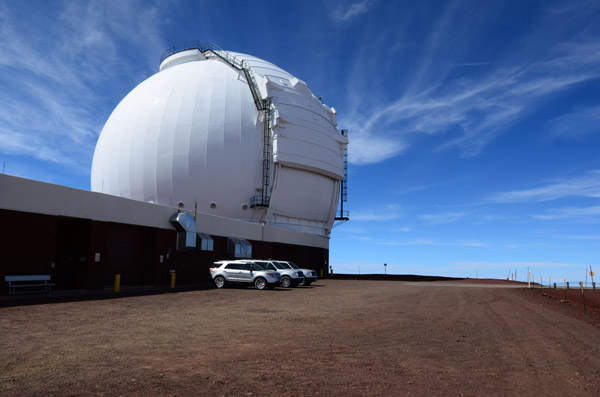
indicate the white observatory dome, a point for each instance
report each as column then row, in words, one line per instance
column 225, row 134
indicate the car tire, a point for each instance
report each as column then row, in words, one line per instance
column 307, row 283
column 260, row 283
column 219, row 281
column 303, row 282
column 286, row 282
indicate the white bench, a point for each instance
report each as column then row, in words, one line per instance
column 29, row 283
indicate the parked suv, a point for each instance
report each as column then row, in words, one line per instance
column 244, row 272
column 310, row 276
column 289, row 277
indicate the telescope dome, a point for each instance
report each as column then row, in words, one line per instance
column 227, row 134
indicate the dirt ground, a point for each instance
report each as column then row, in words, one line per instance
column 337, row 337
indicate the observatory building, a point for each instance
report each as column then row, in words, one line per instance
column 218, row 155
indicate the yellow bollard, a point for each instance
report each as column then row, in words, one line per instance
column 173, row 280
column 321, row 273
column 582, row 296
column 117, row 283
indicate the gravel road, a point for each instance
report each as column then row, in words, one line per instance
column 337, row 337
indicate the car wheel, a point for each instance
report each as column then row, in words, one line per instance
column 303, row 282
column 219, row 282
column 260, row 283
column 307, row 282
column 286, row 282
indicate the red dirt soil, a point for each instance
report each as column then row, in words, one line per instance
column 338, row 337
column 574, row 299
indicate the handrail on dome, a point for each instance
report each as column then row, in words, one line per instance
column 188, row 45
column 227, row 57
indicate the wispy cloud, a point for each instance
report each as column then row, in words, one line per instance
column 405, row 229
column 56, row 98
column 367, row 148
column 352, row 229
column 581, row 214
column 457, row 243
column 576, row 125
column 587, row 185
column 584, row 237
column 469, row 109
column 385, row 213
column 411, row 189
column 513, row 265
column 348, row 12
column 445, row 217
column 425, row 242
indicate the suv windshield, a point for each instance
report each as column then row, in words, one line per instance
column 282, row 265
column 255, row 266
column 293, row 265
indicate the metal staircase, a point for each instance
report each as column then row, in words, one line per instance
column 264, row 105
column 343, row 216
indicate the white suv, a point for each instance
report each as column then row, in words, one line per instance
column 245, row 272
column 289, row 277
column 310, row 276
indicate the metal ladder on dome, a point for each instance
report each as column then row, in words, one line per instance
column 262, row 105
column 343, row 216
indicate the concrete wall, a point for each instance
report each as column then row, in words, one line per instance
column 27, row 195
column 82, row 239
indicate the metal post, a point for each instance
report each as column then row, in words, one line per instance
column 117, row 286
column 385, row 268
column 582, row 296
column 172, row 279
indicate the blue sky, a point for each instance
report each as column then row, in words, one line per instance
column 474, row 126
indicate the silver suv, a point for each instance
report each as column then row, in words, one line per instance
column 310, row 276
column 289, row 277
column 244, row 272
